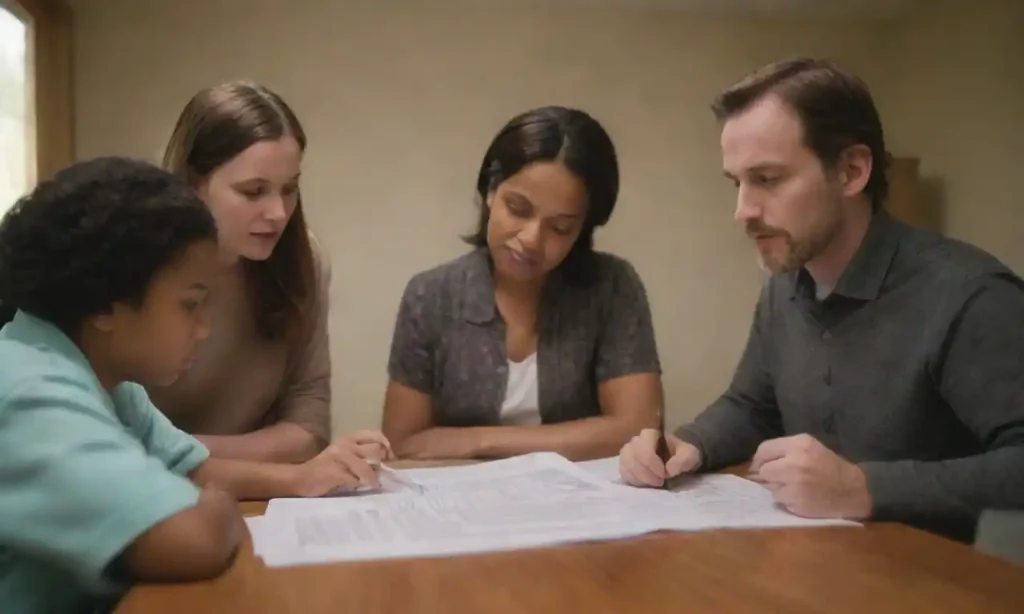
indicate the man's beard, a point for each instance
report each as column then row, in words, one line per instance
column 798, row 252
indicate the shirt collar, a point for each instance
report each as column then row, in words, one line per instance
column 864, row 275
column 478, row 283
column 42, row 334
column 31, row 330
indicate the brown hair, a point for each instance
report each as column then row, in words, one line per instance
column 216, row 125
column 834, row 106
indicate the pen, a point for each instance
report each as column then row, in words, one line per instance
column 386, row 474
column 664, row 454
column 662, row 447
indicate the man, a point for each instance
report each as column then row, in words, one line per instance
column 884, row 373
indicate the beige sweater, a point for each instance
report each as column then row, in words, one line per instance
column 241, row 383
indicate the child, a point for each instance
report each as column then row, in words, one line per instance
column 106, row 270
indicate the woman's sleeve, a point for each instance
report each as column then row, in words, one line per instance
column 626, row 343
column 411, row 360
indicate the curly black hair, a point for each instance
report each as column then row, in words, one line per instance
column 93, row 235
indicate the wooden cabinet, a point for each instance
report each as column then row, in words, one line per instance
column 908, row 201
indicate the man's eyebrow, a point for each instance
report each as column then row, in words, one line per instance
column 759, row 168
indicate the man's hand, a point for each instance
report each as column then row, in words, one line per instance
column 346, row 463
column 810, row 480
column 639, row 464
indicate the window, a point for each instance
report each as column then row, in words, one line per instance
column 36, row 106
column 17, row 112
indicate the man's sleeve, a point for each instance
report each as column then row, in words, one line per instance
column 979, row 370
column 730, row 429
column 78, row 488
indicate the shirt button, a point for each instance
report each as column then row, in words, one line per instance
column 830, row 425
column 826, row 335
column 828, row 377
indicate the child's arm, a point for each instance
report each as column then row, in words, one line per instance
column 249, row 480
column 82, row 493
column 185, row 455
column 341, row 465
column 194, row 544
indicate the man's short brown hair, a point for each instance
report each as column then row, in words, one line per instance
column 834, row 106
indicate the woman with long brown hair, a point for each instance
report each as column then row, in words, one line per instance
column 260, row 387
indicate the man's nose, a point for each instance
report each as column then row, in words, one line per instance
column 747, row 207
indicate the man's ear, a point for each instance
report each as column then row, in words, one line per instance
column 855, row 166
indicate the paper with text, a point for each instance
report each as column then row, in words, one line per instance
column 527, row 501
column 728, row 501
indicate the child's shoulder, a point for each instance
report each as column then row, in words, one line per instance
column 21, row 361
column 36, row 370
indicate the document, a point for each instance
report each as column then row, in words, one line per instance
column 606, row 469
column 527, row 501
column 727, row 500
column 533, row 500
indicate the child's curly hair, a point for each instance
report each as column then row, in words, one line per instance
column 93, row 235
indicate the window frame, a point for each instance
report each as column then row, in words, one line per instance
column 50, row 76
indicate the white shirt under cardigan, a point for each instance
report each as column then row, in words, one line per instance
column 522, row 405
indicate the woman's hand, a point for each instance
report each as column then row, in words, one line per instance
column 345, row 464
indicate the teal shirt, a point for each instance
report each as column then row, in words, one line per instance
column 83, row 473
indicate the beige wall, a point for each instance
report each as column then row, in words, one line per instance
column 400, row 101
column 960, row 106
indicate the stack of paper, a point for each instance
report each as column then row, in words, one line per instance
column 527, row 501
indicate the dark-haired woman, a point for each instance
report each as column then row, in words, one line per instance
column 533, row 341
column 260, row 387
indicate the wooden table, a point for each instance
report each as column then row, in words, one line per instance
column 878, row 568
